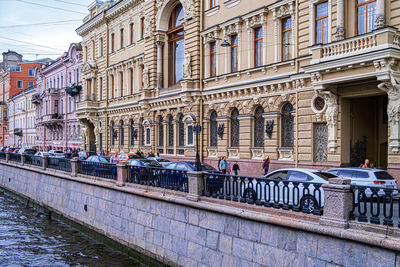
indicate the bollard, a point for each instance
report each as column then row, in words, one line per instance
column 45, row 161
column 196, row 185
column 338, row 201
column 8, row 156
column 122, row 174
column 23, row 158
column 75, row 166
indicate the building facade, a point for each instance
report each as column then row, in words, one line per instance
column 305, row 83
column 14, row 80
column 22, row 119
column 57, row 94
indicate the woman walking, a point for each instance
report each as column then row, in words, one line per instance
column 266, row 165
column 223, row 165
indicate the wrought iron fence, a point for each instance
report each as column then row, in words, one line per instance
column 2, row 155
column 289, row 195
column 376, row 205
column 62, row 164
column 33, row 160
column 15, row 157
column 159, row 177
column 99, row 169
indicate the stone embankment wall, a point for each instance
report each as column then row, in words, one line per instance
column 180, row 232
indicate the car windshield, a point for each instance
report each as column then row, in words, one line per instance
column 325, row 175
column 204, row 166
column 382, row 175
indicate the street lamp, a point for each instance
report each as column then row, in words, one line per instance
column 197, row 130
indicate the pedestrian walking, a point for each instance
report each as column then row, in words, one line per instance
column 236, row 168
column 229, row 169
column 223, row 165
column 266, row 165
column 219, row 161
column 114, row 159
column 367, row 164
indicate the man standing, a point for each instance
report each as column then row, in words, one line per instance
column 236, row 168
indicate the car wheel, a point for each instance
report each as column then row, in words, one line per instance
column 250, row 194
column 309, row 203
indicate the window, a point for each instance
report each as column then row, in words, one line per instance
column 131, row 80
column 30, row 71
column 287, row 125
column 181, row 131
column 213, row 3
column 86, row 53
column 148, row 136
column 213, row 59
column 30, row 84
column 171, row 131
column 175, row 46
column 122, row 133
column 321, row 23
column 160, row 132
column 121, row 38
column 190, row 135
column 56, row 107
column 101, row 88
column 112, row 86
column 234, row 53
column 113, row 135
column 213, row 129
column 365, row 15
column 141, row 28
column 258, row 47
column 101, row 47
column 131, row 29
column 132, row 133
column 112, row 42
column 259, row 127
column 235, row 128
column 286, row 39
column 93, row 50
column 19, row 84
column 121, row 82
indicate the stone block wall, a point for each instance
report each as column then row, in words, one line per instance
column 184, row 235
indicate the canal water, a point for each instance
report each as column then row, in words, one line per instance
column 30, row 238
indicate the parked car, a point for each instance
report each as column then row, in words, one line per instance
column 57, row 153
column 98, row 166
column 163, row 161
column 85, row 154
column 96, row 158
column 41, row 154
column 9, row 149
column 29, row 151
column 369, row 178
column 143, row 163
column 191, row 166
column 306, row 199
column 127, row 156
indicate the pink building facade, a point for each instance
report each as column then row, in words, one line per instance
column 58, row 90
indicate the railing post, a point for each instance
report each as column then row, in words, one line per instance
column 196, row 185
column 8, row 156
column 45, row 161
column 75, row 166
column 338, row 203
column 23, row 158
column 122, row 174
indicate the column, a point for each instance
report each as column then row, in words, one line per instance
column 165, row 125
column 340, row 29
column 159, row 64
column 92, row 84
column 380, row 19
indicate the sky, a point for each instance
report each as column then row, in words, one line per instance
column 56, row 21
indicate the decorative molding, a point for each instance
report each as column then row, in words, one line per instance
column 331, row 114
column 233, row 153
column 212, row 152
column 257, row 153
column 286, row 154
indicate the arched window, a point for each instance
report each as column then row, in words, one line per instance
column 122, row 133
column 112, row 134
column 213, row 129
column 175, row 46
column 259, row 127
column 142, row 134
column 132, row 126
column 234, row 128
column 181, row 131
column 171, row 131
column 160, row 132
column 287, row 125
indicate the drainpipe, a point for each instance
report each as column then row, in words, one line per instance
column 44, row 127
column 107, row 81
column 2, row 115
column 66, row 106
column 201, row 83
column 26, row 117
column 297, row 91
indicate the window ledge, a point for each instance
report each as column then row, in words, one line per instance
column 112, row 54
column 211, row 11
column 231, row 3
column 132, row 45
column 140, row 42
column 119, row 51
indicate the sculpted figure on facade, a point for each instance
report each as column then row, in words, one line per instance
column 147, row 26
column 331, row 118
column 392, row 88
column 146, row 80
column 187, row 66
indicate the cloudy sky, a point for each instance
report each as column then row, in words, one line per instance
column 40, row 28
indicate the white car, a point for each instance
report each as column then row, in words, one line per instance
column 41, row 154
column 57, row 153
column 296, row 187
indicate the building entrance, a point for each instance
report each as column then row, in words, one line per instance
column 369, row 130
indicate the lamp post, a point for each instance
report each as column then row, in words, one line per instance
column 197, row 130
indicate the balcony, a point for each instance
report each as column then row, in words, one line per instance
column 18, row 131
column 73, row 90
column 36, row 99
column 377, row 40
column 54, row 119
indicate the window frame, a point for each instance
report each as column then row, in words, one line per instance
column 18, row 84
column 258, row 128
column 235, row 132
column 316, row 19
column 142, row 28
column 121, row 38
column 213, row 129
column 112, row 42
column 212, row 4
column 357, row 5
column 131, row 32
column 213, row 59
column 284, row 135
column 260, row 42
column 283, row 32
column 234, row 48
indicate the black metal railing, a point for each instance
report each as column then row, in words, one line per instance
column 159, row 177
column 289, row 195
column 2, row 155
column 104, row 170
column 62, row 164
column 33, row 160
column 376, row 205
column 15, row 157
